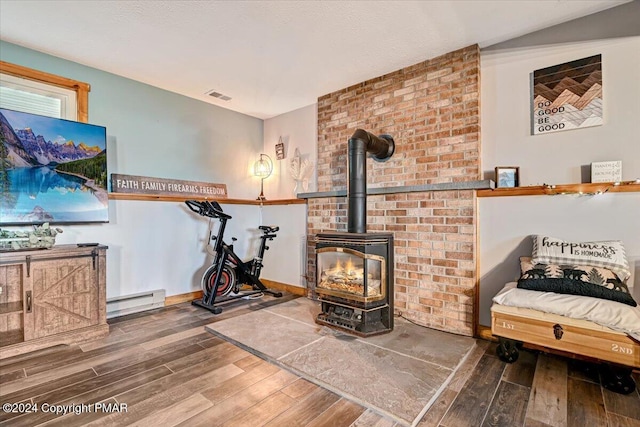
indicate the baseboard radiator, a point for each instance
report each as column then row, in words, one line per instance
column 134, row 303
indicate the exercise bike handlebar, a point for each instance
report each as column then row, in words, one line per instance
column 212, row 209
column 207, row 208
column 194, row 206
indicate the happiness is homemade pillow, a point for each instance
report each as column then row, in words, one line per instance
column 607, row 254
column 584, row 280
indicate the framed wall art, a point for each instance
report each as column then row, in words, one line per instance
column 567, row 96
column 280, row 155
column 507, row 176
column 51, row 170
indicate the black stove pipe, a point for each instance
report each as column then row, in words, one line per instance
column 361, row 143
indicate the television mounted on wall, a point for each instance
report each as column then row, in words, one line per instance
column 51, row 170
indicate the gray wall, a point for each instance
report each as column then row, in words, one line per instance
column 555, row 158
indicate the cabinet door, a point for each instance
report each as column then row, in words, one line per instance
column 65, row 296
column 12, row 284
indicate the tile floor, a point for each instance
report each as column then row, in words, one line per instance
column 399, row 374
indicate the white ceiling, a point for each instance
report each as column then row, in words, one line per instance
column 271, row 57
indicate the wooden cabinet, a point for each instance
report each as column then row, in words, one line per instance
column 51, row 296
column 11, row 304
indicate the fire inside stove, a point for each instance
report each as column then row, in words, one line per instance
column 351, row 274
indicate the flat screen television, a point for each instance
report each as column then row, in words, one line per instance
column 51, row 170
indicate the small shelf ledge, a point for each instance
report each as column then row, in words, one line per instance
column 223, row 201
column 590, row 189
column 485, row 184
column 11, row 337
column 10, row 307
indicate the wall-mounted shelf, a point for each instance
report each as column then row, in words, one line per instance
column 155, row 198
column 444, row 186
column 553, row 190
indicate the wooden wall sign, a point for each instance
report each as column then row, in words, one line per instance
column 132, row 184
column 567, row 96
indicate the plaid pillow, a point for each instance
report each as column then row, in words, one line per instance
column 607, row 254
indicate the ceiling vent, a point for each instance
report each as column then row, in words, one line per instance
column 218, row 95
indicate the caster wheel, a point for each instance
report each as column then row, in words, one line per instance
column 617, row 380
column 507, row 351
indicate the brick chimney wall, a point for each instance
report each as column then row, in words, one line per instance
column 432, row 111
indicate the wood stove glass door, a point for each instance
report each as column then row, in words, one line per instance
column 350, row 274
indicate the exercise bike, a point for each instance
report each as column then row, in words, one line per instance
column 224, row 279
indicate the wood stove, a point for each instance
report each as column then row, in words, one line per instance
column 354, row 281
column 354, row 270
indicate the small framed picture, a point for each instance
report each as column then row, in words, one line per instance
column 507, row 176
column 280, row 149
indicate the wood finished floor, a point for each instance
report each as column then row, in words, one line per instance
column 169, row 372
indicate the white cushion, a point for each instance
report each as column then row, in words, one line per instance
column 614, row 315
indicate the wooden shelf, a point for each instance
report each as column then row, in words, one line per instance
column 553, row 190
column 11, row 307
column 223, row 201
column 443, row 186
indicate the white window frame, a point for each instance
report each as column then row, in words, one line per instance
column 67, row 98
column 30, row 80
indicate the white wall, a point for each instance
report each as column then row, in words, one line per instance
column 286, row 261
column 555, row 158
column 160, row 245
column 298, row 129
column 507, row 222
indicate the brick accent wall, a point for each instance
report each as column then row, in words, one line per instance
column 432, row 111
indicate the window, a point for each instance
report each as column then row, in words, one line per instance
column 38, row 98
column 25, row 89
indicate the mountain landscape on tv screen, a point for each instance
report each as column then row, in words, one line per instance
column 26, row 147
column 51, row 170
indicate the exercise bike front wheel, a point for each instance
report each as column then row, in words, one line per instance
column 227, row 280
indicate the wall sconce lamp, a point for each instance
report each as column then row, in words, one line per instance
column 263, row 167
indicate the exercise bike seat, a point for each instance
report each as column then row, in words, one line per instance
column 269, row 228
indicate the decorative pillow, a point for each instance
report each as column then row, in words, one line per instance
column 607, row 254
column 585, row 280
